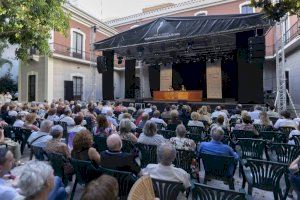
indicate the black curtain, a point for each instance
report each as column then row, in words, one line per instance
column 154, row 78
column 130, row 78
column 192, row 75
column 250, row 75
column 108, row 76
column 229, row 79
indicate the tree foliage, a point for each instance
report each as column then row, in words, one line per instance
column 276, row 11
column 28, row 23
column 7, row 84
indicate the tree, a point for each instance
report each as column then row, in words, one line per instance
column 7, row 84
column 3, row 45
column 28, row 23
column 276, row 11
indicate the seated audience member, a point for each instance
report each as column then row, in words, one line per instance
column 286, row 121
column 166, row 114
column 114, row 158
column 52, row 115
column 164, row 170
column 106, row 107
column 295, row 176
column 174, row 121
column 91, row 113
column 272, row 113
column 142, row 123
column 19, row 121
column 41, row 137
column 111, row 119
column 55, row 145
column 204, row 115
column 73, row 131
column 292, row 133
column 66, row 117
column 149, row 135
column 148, row 108
column 263, row 119
column 246, row 125
column 125, row 131
column 217, row 112
column 12, row 145
column 7, row 191
column 103, row 128
column 216, row 147
column 131, row 109
column 255, row 113
column 184, row 115
column 128, row 116
column 29, row 122
column 24, row 110
column 12, row 110
column 155, row 118
column 195, row 120
column 180, row 141
column 220, row 122
column 105, row 188
column 37, row 182
column 82, row 147
column 138, row 117
column 223, row 109
column 4, row 111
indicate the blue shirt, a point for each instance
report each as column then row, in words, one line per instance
column 217, row 148
column 6, row 191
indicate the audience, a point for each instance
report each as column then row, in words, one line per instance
column 103, row 127
column 82, row 147
column 174, row 121
column 218, row 112
column 180, row 141
column 295, row 176
column 12, row 145
column 105, row 188
column 285, row 121
column 272, row 113
column 195, row 120
column 55, row 145
column 19, row 121
column 255, row 113
column 114, row 158
column 263, row 119
column 166, row 114
column 149, row 135
column 204, row 115
column 156, row 118
column 292, row 133
column 145, row 117
column 125, row 131
column 41, row 137
column 111, row 119
column 246, row 125
column 29, row 122
column 73, row 131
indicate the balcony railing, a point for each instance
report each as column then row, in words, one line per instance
column 288, row 36
column 71, row 52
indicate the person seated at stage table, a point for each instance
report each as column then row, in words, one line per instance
column 149, row 135
column 195, row 120
column 217, row 112
column 180, row 141
column 171, row 88
column 216, row 147
column 174, row 121
column 246, row 125
column 285, row 121
column 183, row 88
column 114, row 158
column 155, row 118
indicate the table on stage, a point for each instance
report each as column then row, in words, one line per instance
column 193, row 95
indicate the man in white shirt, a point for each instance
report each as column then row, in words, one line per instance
column 41, row 137
column 110, row 119
column 19, row 122
column 66, row 117
column 218, row 112
column 105, row 107
column 157, row 120
column 255, row 114
column 285, row 121
column 164, row 170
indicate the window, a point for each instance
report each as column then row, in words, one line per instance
column 77, row 46
column 77, row 87
column 31, row 87
column 246, row 9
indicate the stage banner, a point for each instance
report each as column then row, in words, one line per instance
column 165, row 77
column 214, row 80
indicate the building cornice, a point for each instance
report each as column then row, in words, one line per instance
column 177, row 8
column 81, row 16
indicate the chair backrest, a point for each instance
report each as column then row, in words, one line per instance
column 267, row 135
column 273, row 119
column 38, row 152
column 89, row 123
column 197, row 137
column 296, row 139
column 82, row 171
column 9, row 132
column 172, row 127
column 251, row 148
column 184, row 159
column 201, row 191
column 280, row 137
column 242, row 134
column 100, row 143
column 148, row 153
column 195, row 129
column 286, row 129
column 283, row 153
column 10, row 120
column 217, row 166
column 125, row 179
column 260, row 127
column 167, row 190
column 266, row 175
column 166, row 133
column 57, row 161
column 22, row 135
column 160, row 126
column 127, row 146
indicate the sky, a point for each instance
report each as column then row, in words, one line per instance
column 118, row 8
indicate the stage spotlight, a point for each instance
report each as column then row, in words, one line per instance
column 120, row 60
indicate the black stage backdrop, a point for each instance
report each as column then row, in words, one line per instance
column 250, row 75
column 130, row 78
column 108, row 76
column 154, row 78
column 192, row 75
column 229, row 79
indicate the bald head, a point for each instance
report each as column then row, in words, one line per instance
column 166, row 154
column 114, row 142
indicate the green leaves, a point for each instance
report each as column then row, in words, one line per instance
column 278, row 10
column 28, row 23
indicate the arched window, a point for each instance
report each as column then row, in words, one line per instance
column 245, row 8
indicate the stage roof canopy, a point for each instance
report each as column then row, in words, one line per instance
column 170, row 35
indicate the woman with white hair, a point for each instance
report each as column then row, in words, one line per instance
column 125, row 131
column 149, row 135
column 180, row 141
column 195, row 120
column 37, row 182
